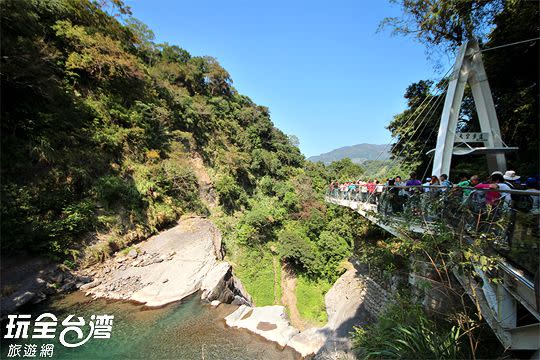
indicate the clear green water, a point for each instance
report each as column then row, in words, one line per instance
column 184, row 330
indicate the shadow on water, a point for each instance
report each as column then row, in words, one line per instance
column 188, row 329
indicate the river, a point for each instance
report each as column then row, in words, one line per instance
column 188, row 329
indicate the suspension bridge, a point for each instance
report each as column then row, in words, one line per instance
column 510, row 306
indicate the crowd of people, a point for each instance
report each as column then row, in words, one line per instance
column 494, row 190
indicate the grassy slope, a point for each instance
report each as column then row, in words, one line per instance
column 256, row 271
column 310, row 299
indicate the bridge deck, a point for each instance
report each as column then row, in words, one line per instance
column 498, row 303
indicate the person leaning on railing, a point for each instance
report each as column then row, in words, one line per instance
column 351, row 191
column 413, row 181
column 445, row 182
column 466, row 185
column 496, row 182
column 363, row 191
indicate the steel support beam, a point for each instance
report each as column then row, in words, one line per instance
column 468, row 68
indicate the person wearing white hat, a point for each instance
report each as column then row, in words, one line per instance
column 511, row 179
column 510, row 175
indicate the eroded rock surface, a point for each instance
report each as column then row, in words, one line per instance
column 268, row 321
column 345, row 308
column 170, row 266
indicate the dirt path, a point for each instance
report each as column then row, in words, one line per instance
column 288, row 284
column 206, row 188
column 277, row 282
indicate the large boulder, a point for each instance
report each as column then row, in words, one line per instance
column 268, row 321
column 170, row 266
column 220, row 284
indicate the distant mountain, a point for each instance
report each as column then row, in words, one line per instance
column 357, row 153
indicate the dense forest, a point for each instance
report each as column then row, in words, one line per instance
column 108, row 137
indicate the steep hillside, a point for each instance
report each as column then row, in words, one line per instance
column 357, row 153
column 108, row 138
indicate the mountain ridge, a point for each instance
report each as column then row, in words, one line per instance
column 358, row 153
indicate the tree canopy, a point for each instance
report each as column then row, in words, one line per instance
column 512, row 73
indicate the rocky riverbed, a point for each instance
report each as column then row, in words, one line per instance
column 168, row 267
column 186, row 259
column 345, row 308
column 165, row 268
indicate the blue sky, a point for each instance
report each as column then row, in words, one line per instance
column 323, row 70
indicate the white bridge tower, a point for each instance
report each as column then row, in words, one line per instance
column 469, row 68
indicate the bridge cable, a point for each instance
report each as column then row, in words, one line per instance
column 423, row 122
column 433, row 108
column 390, row 147
column 487, row 49
column 430, row 113
column 415, row 132
column 506, row 45
column 434, row 86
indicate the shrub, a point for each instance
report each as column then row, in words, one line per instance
column 74, row 220
column 296, row 248
column 231, row 196
column 333, row 249
column 310, row 299
column 404, row 332
column 112, row 190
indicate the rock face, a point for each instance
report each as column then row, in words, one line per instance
column 169, row 267
column 220, row 284
column 268, row 321
column 344, row 305
column 24, row 281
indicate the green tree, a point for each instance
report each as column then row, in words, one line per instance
column 512, row 71
column 415, row 128
column 445, row 23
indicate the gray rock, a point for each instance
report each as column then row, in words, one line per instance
column 133, row 253
column 49, row 289
column 240, row 290
column 58, row 278
column 24, row 298
column 84, row 279
column 39, row 298
column 67, row 286
column 238, row 300
column 172, row 265
column 268, row 321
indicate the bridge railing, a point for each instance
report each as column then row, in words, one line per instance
column 509, row 219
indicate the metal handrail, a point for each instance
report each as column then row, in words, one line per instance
column 511, row 191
